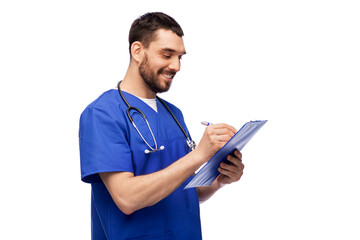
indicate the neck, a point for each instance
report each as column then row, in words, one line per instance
column 133, row 83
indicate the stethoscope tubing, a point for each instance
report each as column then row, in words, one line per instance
column 190, row 143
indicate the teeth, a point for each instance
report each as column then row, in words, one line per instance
column 167, row 76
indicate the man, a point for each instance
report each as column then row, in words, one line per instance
column 139, row 194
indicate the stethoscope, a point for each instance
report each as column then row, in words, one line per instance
column 191, row 144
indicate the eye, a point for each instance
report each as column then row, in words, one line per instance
column 166, row 56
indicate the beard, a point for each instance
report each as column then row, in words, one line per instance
column 151, row 79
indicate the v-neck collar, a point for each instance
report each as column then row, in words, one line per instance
column 151, row 102
column 144, row 103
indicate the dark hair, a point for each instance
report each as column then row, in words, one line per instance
column 143, row 28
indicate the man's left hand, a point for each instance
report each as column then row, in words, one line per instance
column 232, row 171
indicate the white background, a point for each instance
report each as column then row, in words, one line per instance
column 294, row 63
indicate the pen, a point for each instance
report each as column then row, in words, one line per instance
column 205, row 123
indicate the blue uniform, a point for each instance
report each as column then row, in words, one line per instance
column 109, row 143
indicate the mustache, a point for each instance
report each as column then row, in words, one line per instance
column 168, row 72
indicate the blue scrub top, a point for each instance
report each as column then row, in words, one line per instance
column 109, row 143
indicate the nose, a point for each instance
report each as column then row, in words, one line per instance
column 175, row 65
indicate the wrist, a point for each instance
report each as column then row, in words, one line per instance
column 200, row 156
column 216, row 185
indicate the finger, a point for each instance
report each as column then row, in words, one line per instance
column 223, row 131
column 228, row 167
column 233, row 168
column 225, row 126
column 233, row 176
column 234, row 160
column 223, row 138
column 220, row 131
column 238, row 154
column 224, row 179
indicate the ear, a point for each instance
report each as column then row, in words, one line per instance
column 137, row 51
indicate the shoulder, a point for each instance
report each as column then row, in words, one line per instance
column 107, row 98
column 107, row 102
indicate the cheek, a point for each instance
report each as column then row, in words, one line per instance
column 157, row 65
column 161, row 70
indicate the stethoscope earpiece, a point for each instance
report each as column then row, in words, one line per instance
column 147, row 151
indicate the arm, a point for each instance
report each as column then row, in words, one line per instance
column 131, row 193
column 229, row 173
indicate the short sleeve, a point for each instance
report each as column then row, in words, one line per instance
column 103, row 144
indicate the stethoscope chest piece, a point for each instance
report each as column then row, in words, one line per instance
column 191, row 144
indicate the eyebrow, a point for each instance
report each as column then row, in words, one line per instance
column 172, row 51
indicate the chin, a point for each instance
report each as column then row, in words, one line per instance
column 167, row 86
column 163, row 86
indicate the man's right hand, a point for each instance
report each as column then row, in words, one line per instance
column 215, row 136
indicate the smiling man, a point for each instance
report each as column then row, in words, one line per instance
column 135, row 149
column 160, row 61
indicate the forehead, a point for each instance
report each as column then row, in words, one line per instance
column 166, row 39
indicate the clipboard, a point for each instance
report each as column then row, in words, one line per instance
column 208, row 173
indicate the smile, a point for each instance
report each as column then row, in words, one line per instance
column 168, row 76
